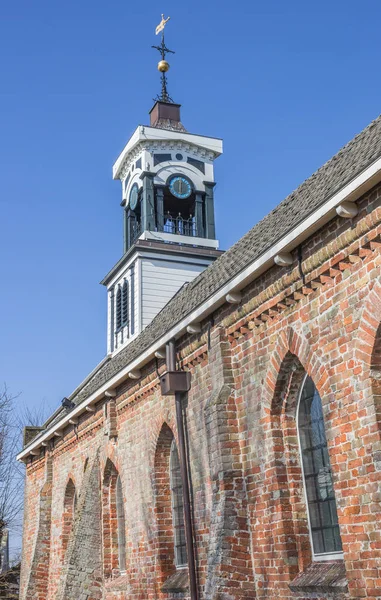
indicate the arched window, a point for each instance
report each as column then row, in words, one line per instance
column 70, row 500
column 121, row 526
column 317, row 475
column 113, row 521
column 177, row 508
column 118, row 310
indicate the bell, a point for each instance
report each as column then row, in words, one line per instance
column 163, row 66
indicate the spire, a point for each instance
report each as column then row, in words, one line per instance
column 163, row 65
column 165, row 114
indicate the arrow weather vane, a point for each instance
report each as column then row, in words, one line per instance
column 163, row 65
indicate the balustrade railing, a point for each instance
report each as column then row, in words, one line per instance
column 136, row 231
column 172, row 224
column 179, row 225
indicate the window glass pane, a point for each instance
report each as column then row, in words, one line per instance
column 317, row 540
column 337, row 538
column 308, row 463
column 314, row 515
column 332, row 505
column 311, row 488
column 317, row 472
column 177, row 508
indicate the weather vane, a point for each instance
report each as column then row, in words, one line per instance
column 163, row 65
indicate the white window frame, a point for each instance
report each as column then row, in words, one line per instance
column 316, row 557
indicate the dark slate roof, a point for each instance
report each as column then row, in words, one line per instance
column 349, row 162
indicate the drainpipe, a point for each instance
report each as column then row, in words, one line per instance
column 178, row 383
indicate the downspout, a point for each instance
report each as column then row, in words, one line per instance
column 178, row 383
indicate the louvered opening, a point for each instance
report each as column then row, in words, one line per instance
column 125, row 303
column 119, row 308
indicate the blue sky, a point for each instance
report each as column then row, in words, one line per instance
column 285, row 84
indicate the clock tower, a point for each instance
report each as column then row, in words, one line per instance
column 167, row 178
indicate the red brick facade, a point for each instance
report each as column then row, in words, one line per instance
column 250, row 518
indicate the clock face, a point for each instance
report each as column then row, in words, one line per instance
column 134, row 195
column 180, row 187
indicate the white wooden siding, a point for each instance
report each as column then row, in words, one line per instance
column 161, row 279
column 115, row 342
column 157, row 279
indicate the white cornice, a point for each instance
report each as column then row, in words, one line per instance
column 351, row 192
column 151, row 139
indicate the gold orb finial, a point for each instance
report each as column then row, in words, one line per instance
column 163, row 66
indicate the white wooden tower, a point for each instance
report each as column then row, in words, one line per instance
column 167, row 177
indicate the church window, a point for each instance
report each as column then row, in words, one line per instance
column 138, row 163
column 317, row 474
column 177, row 508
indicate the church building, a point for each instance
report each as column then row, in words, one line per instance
column 229, row 444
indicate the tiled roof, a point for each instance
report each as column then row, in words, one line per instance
column 349, row 162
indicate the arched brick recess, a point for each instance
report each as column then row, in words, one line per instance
column 281, row 536
column 109, row 453
column 163, row 508
column 165, row 419
column 375, row 376
column 82, row 569
column 291, row 529
column 290, row 341
column 110, row 521
column 370, row 320
column 69, row 503
column 368, row 353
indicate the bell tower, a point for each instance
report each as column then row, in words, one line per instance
column 167, row 177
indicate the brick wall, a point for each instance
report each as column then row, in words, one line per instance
column 250, row 517
column 37, row 535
